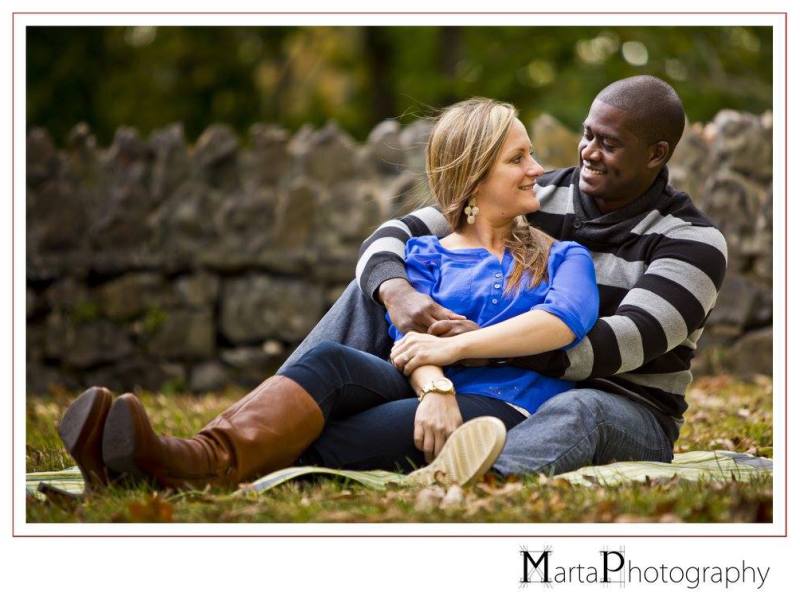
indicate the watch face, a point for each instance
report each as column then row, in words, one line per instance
column 444, row 385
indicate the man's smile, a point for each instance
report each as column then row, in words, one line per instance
column 592, row 170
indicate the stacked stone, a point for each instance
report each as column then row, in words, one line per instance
column 726, row 166
column 152, row 263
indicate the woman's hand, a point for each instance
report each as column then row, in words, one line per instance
column 437, row 417
column 417, row 349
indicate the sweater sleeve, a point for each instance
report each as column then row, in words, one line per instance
column 382, row 254
column 668, row 304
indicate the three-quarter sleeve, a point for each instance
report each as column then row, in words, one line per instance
column 572, row 295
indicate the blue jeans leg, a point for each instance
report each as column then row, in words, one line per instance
column 370, row 408
column 354, row 321
column 383, row 437
column 344, row 381
column 583, row 427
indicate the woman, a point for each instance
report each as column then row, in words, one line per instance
column 343, row 408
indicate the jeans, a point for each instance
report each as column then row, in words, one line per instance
column 573, row 429
column 369, row 409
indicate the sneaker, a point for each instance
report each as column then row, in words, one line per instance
column 467, row 454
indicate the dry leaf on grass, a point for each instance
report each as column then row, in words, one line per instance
column 428, row 498
column 454, row 497
column 152, row 510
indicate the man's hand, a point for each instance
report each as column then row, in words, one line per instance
column 409, row 309
column 437, row 417
column 418, row 349
column 451, row 327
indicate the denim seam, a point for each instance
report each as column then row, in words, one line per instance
column 566, row 452
column 630, row 440
column 576, row 444
column 586, row 436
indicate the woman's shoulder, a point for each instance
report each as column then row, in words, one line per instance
column 560, row 252
column 566, row 248
column 423, row 250
column 424, row 244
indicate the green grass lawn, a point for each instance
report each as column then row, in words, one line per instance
column 725, row 413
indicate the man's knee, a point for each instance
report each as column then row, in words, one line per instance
column 577, row 403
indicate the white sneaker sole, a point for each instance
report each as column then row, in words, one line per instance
column 467, row 454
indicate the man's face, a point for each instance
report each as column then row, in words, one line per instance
column 614, row 161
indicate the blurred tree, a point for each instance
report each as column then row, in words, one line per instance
column 150, row 76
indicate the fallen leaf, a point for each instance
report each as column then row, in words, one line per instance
column 669, row 518
column 428, row 498
column 152, row 510
column 453, row 498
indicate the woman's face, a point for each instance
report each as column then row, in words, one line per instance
column 507, row 191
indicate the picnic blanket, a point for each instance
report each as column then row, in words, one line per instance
column 710, row 465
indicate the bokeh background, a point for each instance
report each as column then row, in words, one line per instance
column 146, row 77
column 196, row 196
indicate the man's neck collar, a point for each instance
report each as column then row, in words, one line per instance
column 591, row 209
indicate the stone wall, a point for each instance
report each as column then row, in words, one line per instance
column 156, row 263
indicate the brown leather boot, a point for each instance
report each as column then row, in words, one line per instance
column 81, row 430
column 266, row 430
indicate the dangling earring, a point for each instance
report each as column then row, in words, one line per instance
column 471, row 211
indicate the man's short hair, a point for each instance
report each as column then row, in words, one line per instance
column 655, row 107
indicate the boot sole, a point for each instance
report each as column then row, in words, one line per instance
column 81, row 430
column 467, row 454
column 119, row 441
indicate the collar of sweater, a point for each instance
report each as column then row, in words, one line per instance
column 586, row 209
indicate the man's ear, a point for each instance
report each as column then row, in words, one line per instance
column 658, row 154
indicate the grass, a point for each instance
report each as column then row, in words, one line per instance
column 725, row 413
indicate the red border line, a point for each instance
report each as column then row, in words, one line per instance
column 786, row 271
column 432, row 13
column 13, row 291
column 397, row 535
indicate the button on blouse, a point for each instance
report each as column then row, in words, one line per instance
column 472, row 282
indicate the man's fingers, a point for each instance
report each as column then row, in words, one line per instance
column 440, row 313
column 452, row 327
column 419, row 325
column 441, row 328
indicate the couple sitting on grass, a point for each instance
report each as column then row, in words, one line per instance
column 477, row 318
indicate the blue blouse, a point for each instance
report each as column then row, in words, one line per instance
column 471, row 282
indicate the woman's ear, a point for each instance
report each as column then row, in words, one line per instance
column 476, row 192
column 659, row 154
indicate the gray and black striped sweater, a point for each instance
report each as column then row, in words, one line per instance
column 659, row 263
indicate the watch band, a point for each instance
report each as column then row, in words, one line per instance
column 441, row 385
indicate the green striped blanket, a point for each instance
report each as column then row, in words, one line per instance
column 715, row 465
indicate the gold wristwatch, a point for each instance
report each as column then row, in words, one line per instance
column 441, row 386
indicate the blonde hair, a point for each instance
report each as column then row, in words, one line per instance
column 462, row 148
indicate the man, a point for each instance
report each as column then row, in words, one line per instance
column 659, row 263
